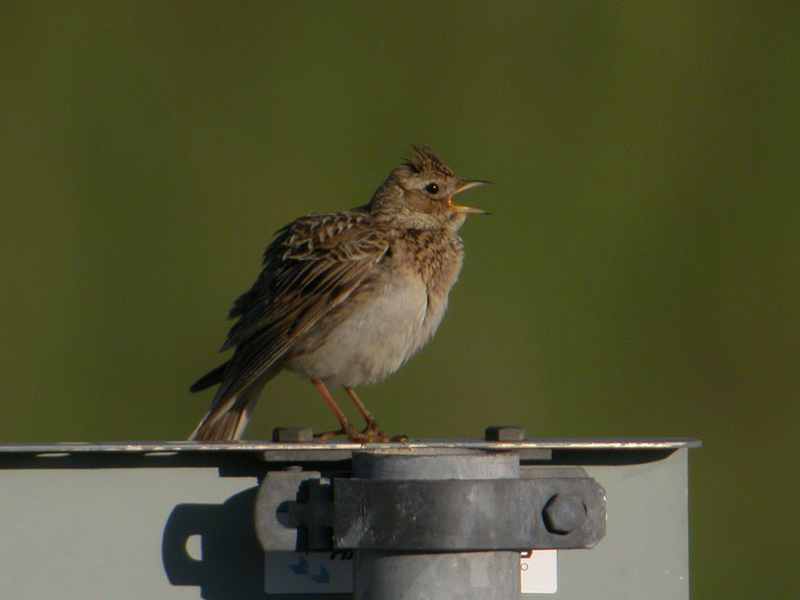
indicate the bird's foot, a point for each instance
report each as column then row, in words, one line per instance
column 371, row 434
column 325, row 436
column 372, row 429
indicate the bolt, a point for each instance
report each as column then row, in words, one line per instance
column 504, row 433
column 292, row 434
column 564, row 513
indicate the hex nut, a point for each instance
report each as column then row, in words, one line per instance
column 564, row 513
column 292, row 434
column 504, row 433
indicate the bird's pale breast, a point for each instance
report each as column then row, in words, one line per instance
column 395, row 311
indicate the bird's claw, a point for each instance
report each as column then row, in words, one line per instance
column 371, row 434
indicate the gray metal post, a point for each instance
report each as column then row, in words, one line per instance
column 382, row 575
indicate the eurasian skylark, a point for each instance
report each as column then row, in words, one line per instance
column 345, row 298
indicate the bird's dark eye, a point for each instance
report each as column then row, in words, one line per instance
column 432, row 188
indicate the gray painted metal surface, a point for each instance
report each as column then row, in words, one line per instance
column 175, row 520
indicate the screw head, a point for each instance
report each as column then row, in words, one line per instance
column 292, row 434
column 564, row 513
column 504, row 433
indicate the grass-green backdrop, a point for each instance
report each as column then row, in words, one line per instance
column 640, row 275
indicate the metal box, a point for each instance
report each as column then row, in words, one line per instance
column 190, row 520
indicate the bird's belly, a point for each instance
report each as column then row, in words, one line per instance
column 374, row 338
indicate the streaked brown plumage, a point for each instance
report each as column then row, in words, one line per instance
column 345, row 298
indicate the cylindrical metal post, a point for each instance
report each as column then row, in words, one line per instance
column 381, row 575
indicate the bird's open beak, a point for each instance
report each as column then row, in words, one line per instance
column 466, row 209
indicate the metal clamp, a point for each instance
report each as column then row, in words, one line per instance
column 304, row 511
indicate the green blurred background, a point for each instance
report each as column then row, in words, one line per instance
column 640, row 275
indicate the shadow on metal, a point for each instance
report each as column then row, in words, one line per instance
column 227, row 538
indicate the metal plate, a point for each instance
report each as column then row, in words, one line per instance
column 345, row 447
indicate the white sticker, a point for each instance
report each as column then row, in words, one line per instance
column 332, row 572
column 308, row 573
column 538, row 572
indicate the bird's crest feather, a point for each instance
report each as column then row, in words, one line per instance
column 423, row 159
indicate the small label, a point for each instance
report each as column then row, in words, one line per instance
column 332, row 572
column 308, row 573
column 538, row 572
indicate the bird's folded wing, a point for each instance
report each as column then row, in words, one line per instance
column 309, row 269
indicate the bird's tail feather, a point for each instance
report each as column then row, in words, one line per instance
column 211, row 378
column 224, row 423
column 228, row 417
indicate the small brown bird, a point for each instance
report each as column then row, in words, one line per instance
column 345, row 298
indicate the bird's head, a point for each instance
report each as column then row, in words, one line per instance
column 419, row 194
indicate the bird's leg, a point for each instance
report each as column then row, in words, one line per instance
column 372, row 424
column 372, row 430
column 351, row 432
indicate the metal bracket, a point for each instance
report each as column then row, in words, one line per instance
column 294, row 511
column 304, row 511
